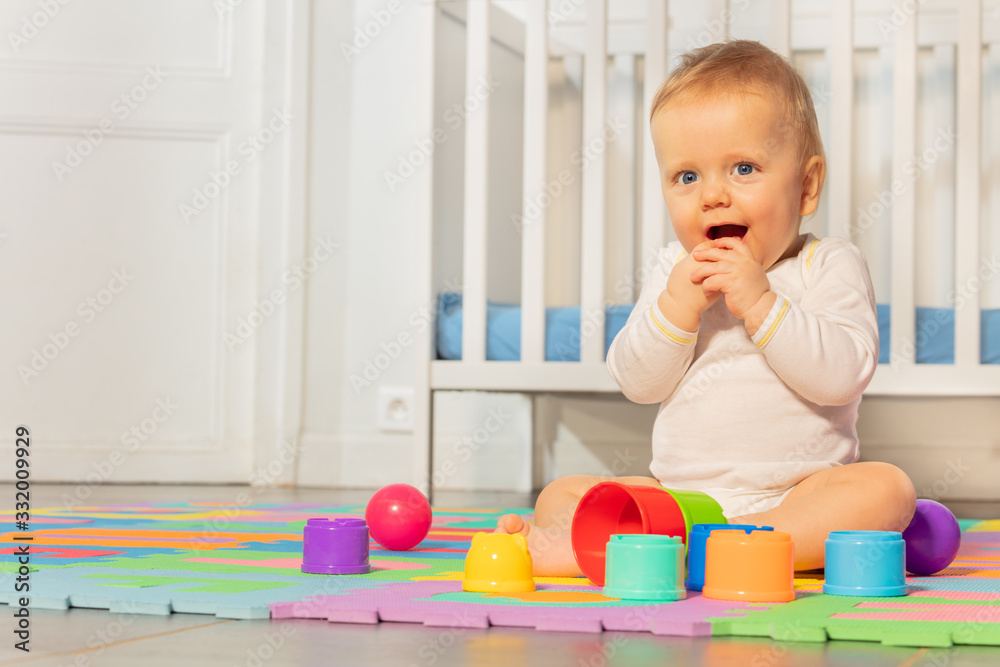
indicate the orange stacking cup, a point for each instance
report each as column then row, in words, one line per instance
column 754, row 567
column 610, row 508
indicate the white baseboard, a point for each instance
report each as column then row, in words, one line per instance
column 502, row 463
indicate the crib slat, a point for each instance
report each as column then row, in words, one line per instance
column 904, row 100
column 841, row 145
column 655, row 71
column 991, row 240
column 594, row 150
column 536, row 108
column 781, row 27
column 476, row 161
column 967, row 175
column 423, row 426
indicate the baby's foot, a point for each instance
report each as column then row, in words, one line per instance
column 551, row 549
column 510, row 524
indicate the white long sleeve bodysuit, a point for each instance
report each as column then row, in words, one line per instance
column 746, row 419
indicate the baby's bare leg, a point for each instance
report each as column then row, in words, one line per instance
column 857, row 496
column 549, row 539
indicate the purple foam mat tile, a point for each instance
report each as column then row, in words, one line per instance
column 357, row 616
column 569, row 624
column 480, row 621
column 401, row 614
column 675, row 628
column 686, row 618
column 284, row 609
column 510, row 617
column 629, row 619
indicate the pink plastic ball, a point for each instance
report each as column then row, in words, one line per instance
column 398, row 516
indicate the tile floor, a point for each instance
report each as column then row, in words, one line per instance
column 87, row 637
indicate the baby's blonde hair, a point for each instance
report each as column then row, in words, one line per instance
column 739, row 68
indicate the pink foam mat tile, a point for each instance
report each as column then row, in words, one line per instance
column 569, row 623
column 357, row 616
column 478, row 621
column 510, row 617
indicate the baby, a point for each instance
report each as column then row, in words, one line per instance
column 757, row 341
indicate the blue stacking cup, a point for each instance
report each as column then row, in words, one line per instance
column 865, row 563
column 696, row 549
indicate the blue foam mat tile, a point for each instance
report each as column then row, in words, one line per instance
column 57, row 603
column 140, row 607
column 243, row 613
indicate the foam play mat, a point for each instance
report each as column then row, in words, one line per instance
column 244, row 562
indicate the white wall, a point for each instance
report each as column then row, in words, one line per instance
column 363, row 313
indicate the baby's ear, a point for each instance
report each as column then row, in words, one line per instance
column 813, row 175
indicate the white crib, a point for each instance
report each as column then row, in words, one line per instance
column 834, row 32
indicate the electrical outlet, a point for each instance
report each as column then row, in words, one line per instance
column 395, row 408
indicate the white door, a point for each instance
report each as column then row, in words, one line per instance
column 133, row 140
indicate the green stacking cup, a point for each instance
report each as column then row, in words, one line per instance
column 697, row 507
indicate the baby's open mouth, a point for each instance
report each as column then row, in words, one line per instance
column 721, row 231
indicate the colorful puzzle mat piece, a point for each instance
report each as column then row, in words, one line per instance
column 243, row 561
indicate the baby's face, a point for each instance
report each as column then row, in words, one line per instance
column 730, row 167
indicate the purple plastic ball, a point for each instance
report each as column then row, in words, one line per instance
column 932, row 538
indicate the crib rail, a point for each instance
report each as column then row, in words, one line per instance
column 594, row 41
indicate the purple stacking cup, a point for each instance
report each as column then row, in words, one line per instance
column 335, row 546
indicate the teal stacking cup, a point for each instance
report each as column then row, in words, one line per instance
column 645, row 567
column 865, row 563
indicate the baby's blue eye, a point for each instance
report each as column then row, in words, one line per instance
column 688, row 177
column 744, row 169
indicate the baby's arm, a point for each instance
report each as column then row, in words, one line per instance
column 826, row 346
column 654, row 349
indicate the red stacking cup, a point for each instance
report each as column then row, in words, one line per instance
column 610, row 508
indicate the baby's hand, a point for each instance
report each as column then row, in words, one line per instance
column 727, row 266
column 683, row 301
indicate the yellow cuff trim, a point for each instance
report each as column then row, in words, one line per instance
column 774, row 325
column 809, row 257
column 680, row 256
column 669, row 334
